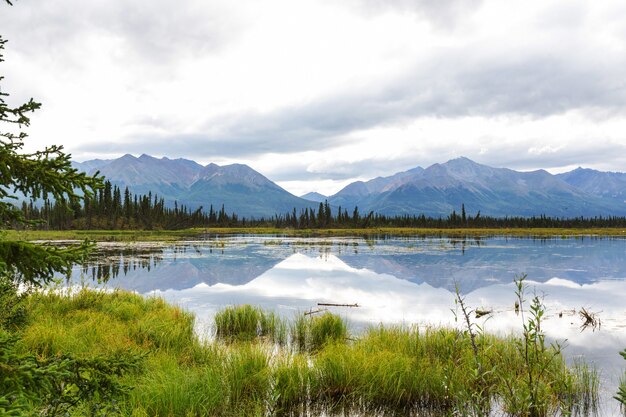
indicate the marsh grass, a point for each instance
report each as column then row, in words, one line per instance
column 586, row 384
column 247, row 370
column 247, row 323
column 621, row 392
column 92, row 322
column 325, row 329
column 174, row 235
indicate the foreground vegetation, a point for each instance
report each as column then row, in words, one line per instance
column 140, row 357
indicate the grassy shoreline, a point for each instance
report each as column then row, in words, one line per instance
column 259, row 365
column 175, row 235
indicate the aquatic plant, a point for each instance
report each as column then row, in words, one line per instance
column 621, row 393
column 246, row 323
column 327, row 328
column 311, row 332
column 525, row 376
column 478, row 400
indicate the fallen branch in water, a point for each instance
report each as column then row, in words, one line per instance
column 480, row 313
column 319, row 310
column 337, row 305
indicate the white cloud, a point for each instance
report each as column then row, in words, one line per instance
column 316, row 93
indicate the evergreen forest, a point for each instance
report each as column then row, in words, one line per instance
column 111, row 208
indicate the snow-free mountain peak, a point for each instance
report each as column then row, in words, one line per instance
column 441, row 188
column 607, row 185
column 315, row 196
column 434, row 191
column 238, row 187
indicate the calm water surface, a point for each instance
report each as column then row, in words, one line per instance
column 393, row 280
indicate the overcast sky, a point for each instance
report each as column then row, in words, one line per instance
column 316, row 94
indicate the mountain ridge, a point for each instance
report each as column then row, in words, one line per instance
column 432, row 191
column 239, row 188
column 499, row 192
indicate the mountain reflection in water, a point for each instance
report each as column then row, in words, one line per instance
column 442, row 263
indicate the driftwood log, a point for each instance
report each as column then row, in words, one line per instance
column 337, row 305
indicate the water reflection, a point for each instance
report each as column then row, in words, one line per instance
column 442, row 263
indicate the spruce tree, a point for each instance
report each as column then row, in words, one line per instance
column 38, row 175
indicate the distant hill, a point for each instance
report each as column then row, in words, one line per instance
column 238, row 187
column 610, row 185
column 316, row 197
column 367, row 191
column 441, row 188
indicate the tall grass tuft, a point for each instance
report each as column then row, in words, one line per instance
column 247, row 376
column 293, row 381
column 327, row 328
column 311, row 333
column 246, row 323
column 168, row 388
column 621, row 393
column 586, row 384
column 299, row 332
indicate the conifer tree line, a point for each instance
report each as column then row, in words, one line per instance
column 342, row 218
column 111, row 208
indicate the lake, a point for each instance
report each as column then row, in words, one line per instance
column 393, row 280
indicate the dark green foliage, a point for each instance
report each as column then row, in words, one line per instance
column 37, row 264
column 12, row 303
column 106, row 210
column 325, row 218
column 58, row 384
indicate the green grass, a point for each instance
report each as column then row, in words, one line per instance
column 312, row 332
column 174, row 235
column 103, row 235
column 247, row 371
column 91, row 322
column 247, row 323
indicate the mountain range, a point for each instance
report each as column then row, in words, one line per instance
column 433, row 191
column 440, row 188
column 238, row 187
